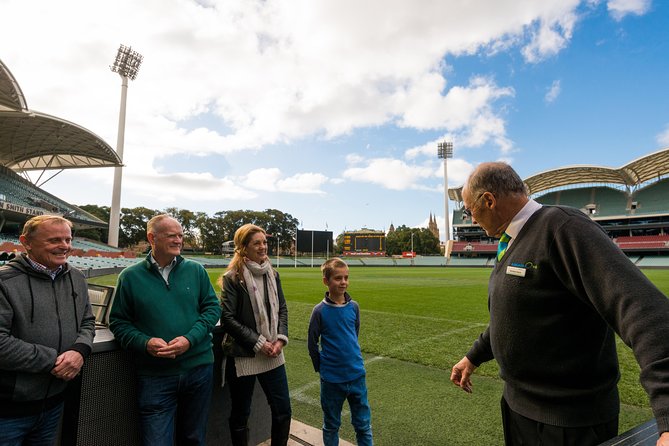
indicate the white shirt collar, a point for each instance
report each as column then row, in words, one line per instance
column 521, row 218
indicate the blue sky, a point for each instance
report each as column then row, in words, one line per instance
column 332, row 110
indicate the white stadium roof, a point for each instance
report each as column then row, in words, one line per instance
column 31, row 140
column 639, row 171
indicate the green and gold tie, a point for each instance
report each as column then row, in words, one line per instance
column 503, row 244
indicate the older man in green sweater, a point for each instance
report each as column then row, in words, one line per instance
column 164, row 311
column 558, row 294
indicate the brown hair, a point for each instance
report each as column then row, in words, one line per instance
column 329, row 266
column 242, row 238
column 31, row 225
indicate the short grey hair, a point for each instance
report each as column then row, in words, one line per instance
column 497, row 178
column 156, row 221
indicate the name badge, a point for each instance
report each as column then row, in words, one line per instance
column 516, row 271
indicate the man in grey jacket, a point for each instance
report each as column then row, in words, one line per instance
column 46, row 332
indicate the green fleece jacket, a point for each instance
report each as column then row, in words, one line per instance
column 145, row 306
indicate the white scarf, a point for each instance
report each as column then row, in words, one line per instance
column 267, row 328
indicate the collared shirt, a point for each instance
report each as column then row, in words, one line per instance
column 521, row 218
column 43, row 269
column 164, row 270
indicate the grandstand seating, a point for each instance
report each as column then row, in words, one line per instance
column 474, row 247
column 430, row 261
column 607, row 201
column 101, row 262
column 468, row 261
column 653, row 261
column 377, row 261
column 610, row 201
column 85, row 245
column 653, row 198
column 8, row 238
column 22, row 192
column 643, row 242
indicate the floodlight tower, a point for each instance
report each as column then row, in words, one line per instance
column 445, row 151
column 127, row 66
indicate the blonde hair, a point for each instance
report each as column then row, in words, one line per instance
column 330, row 265
column 242, row 238
column 31, row 225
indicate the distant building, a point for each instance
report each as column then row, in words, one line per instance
column 365, row 242
column 432, row 226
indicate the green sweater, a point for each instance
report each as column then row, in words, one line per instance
column 145, row 306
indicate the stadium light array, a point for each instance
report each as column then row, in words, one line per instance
column 126, row 64
column 445, row 151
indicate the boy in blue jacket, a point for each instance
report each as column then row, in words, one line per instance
column 335, row 321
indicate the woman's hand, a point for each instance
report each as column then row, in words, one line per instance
column 272, row 349
column 267, row 349
column 277, row 347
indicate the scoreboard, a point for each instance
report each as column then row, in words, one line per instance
column 361, row 243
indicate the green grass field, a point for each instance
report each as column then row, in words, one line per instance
column 416, row 323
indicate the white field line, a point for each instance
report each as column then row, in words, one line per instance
column 436, row 337
column 408, row 316
column 299, row 394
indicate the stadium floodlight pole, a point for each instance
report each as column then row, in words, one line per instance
column 127, row 66
column 445, row 151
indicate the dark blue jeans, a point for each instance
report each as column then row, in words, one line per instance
column 275, row 385
column 31, row 430
column 185, row 397
column 333, row 396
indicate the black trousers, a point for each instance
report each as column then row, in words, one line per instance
column 522, row 431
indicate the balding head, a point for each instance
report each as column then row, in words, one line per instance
column 497, row 178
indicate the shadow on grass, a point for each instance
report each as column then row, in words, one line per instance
column 416, row 405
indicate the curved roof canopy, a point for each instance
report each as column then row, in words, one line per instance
column 639, row 171
column 31, row 140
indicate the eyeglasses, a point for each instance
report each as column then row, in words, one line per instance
column 468, row 212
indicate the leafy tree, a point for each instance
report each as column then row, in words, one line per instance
column 99, row 234
column 338, row 248
column 424, row 242
column 133, row 225
column 212, row 232
column 188, row 221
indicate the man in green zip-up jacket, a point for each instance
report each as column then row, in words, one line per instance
column 164, row 311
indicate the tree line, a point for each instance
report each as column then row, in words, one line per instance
column 204, row 233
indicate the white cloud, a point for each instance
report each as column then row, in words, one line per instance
column 663, row 137
column 262, row 179
column 272, row 72
column 390, row 173
column 620, row 8
column 270, row 179
column 164, row 189
column 549, row 37
column 553, row 92
column 303, row 183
